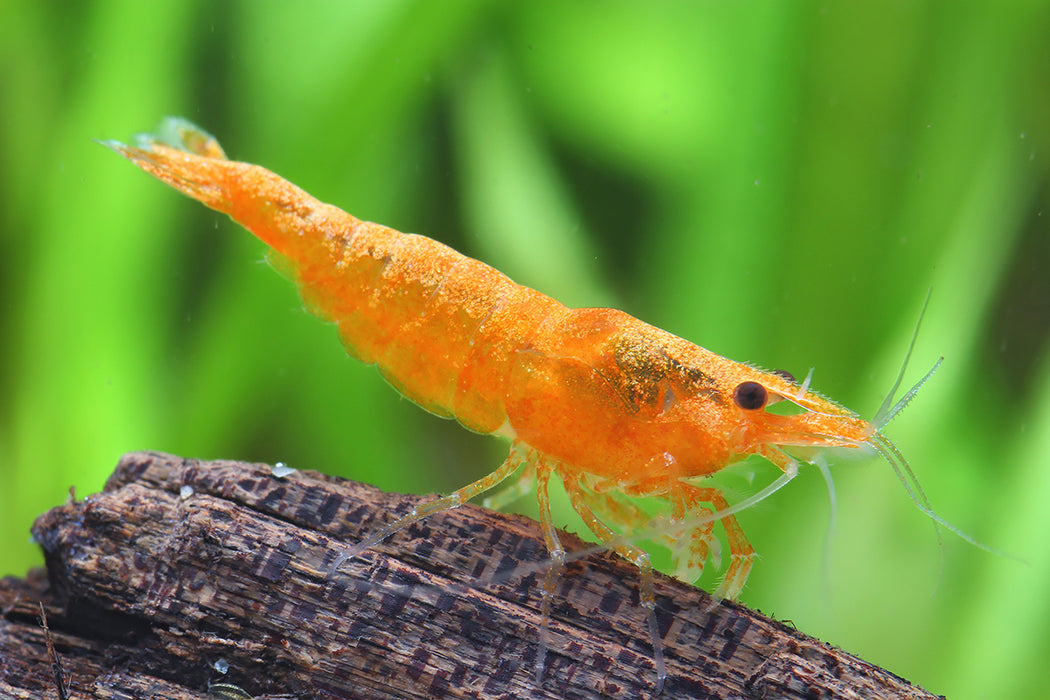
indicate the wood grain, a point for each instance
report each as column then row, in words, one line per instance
column 181, row 563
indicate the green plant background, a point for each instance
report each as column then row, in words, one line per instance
column 779, row 182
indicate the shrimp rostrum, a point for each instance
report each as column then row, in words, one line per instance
column 612, row 406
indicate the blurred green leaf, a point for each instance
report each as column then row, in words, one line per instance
column 780, row 182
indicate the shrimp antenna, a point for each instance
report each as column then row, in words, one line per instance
column 880, row 420
column 900, row 465
column 887, row 412
column 888, row 409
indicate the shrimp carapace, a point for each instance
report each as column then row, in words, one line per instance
column 613, row 406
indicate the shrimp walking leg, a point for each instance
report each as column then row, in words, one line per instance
column 453, row 500
column 741, row 553
column 690, row 553
column 578, row 496
column 557, row 554
column 688, row 501
column 521, row 487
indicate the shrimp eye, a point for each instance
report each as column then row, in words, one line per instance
column 750, row 395
column 784, row 374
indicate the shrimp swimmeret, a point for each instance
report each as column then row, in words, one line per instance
column 614, row 407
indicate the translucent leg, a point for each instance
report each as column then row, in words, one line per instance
column 741, row 554
column 691, row 553
column 557, row 553
column 687, row 501
column 521, row 487
column 608, row 504
column 453, row 500
column 578, row 497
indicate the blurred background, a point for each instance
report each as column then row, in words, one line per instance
column 778, row 182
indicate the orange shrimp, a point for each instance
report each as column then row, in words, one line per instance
column 615, row 407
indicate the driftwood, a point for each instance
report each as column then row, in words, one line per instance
column 180, row 569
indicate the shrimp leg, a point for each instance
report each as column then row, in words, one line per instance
column 689, row 499
column 578, row 497
column 453, row 500
column 535, row 469
column 521, row 487
column 741, row 553
column 557, row 554
column 690, row 554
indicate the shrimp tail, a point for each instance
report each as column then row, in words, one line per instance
column 174, row 155
column 191, row 160
column 186, row 136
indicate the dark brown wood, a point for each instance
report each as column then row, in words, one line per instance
column 56, row 664
column 180, row 565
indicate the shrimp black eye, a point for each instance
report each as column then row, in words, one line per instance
column 784, row 374
column 750, row 395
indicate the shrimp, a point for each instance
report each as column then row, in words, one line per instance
column 614, row 407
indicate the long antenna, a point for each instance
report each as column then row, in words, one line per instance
column 886, row 409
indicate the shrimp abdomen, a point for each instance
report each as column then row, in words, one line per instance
column 439, row 325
